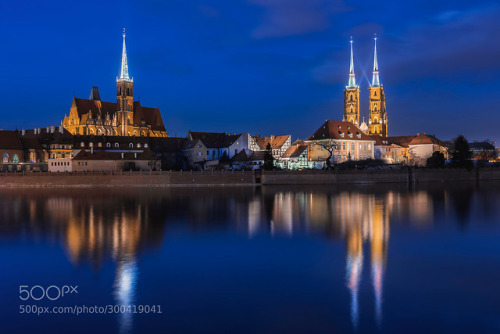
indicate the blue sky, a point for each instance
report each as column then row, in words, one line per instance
column 262, row 66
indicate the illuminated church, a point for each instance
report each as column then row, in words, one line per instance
column 377, row 120
column 125, row 117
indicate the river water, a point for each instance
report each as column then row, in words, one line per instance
column 383, row 259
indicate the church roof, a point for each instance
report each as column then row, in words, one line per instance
column 150, row 116
column 339, row 130
column 10, row 140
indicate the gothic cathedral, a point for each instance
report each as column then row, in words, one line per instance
column 126, row 117
column 377, row 122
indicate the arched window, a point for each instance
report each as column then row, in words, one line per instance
column 82, row 144
column 131, row 145
column 5, row 158
column 99, row 132
column 375, row 93
column 99, row 144
column 117, row 145
column 138, row 145
column 145, row 145
column 108, row 144
column 32, row 157
column 15, row 159
column 351, row 98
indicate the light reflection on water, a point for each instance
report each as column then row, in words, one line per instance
column 96, row 225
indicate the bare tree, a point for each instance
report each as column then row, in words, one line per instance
column 329, row 146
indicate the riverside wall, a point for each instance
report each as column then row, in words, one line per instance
column 247, row 178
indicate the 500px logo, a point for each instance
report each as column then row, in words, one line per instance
column 52, row 292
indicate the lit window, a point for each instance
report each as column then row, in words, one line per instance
column 138, row 145
column 15, row 159
column 5, row 158
column 146, row 145
column 99, row 144
column 82, row 144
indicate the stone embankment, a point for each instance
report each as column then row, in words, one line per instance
column 247, row 178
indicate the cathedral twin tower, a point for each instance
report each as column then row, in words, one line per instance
column 377, row 123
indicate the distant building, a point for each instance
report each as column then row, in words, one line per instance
column 344, row 139
column 392, row 150
column 19, row 153
column 242, row 160
column 125, row 117
column 113, row 161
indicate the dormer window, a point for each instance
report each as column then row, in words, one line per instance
column 342, row 134
column 359, row 135
column 108, row 145
column 138, row 145
column 145, row 145
column 131, row 145
column 82, row 144
column 99, row 144
column 117, row 145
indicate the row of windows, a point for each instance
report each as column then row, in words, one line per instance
column 108, row 145
column 59, row 163
column 5, row 158
column 361, row 146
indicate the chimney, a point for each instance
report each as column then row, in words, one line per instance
column 47, row 129
column 23, row 132
column 52, row 129
column 61, row 129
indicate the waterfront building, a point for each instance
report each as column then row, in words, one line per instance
column 422, row 146
column 89, row 160
column 279, row 144
column 345, row 141
column 21, row 153
column 296, row 157
column 221, row 145
column 195, row 153
column 125, row 117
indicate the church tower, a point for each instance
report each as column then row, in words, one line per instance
column 351, row 96
column 125, row 96
column 378, row 114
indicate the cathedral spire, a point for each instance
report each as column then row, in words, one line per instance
column 124, row 68
column 352, row 78
column 375, row 80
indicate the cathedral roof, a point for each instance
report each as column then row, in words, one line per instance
column 339, row 130
column 150, row 116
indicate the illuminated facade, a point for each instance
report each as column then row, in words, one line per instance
column 125, row 117
column 351, row 96
column 378, row 114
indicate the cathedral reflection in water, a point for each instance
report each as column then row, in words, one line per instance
column 118, row 224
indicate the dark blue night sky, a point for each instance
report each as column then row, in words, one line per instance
column 262, row 66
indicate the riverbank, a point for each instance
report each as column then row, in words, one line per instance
column 246, row 178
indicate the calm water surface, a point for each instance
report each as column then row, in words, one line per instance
column 243, row 260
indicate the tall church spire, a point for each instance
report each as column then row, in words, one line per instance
column 124, row 68
column 352, row 78
column 375, row 80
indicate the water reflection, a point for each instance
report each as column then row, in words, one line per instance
column 119, row 224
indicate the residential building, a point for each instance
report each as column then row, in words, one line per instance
column 296, row 157
column 343, row 140
column 422, row 146
column 279, row 144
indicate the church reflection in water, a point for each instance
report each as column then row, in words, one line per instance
column 95, row 225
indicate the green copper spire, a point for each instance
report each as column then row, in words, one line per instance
column 124, row 68
column 375, row 79
column 352, row 78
